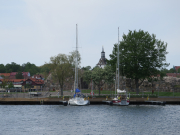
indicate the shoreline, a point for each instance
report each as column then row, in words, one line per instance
column 94, row 101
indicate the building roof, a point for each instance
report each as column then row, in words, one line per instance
column 13, row 80
column 176, row 67
column 37, row 81
column 25, row 73
column 102, row 62
column 173, row 74
column 5, row 74
column 13, row 73
column 37, row 76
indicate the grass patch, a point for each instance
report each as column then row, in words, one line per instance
column 60, row 97
column 108, row 92
column 166, row 94
column 133, row 94
column 177, row 86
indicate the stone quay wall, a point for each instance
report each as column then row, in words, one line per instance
column 167, row 84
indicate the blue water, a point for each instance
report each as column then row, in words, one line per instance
column 92, row 120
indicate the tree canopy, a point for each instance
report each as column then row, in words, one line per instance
column 62, row 67
column 13, row 67
column 19, row 75
column 141, row 56
column 99, row 76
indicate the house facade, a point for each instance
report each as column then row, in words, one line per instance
column 23, row 83
column 32, row 83
column 38, row 76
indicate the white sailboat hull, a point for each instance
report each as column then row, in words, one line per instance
column 78, row 101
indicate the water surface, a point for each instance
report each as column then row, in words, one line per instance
column 92, row 119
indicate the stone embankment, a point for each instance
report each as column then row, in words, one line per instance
column 168, row 84
column 93, row 101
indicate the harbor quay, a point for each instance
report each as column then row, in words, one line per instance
column 93, row 101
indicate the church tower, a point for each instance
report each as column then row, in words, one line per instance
column 102, row 62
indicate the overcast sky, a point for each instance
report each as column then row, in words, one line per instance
column 34, row 30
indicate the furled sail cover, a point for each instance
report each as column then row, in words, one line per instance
column 77, row 90
column 121, row 91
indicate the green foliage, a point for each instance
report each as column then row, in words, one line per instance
column 113, row 58
column 178, row 70
column 62, row 68
column 32, row 68
column 73, row 57
column 2, row 76
column 13, row 67
column 87, row 68
column 2, row 68
column 100, row 76
column 45, row 70
column 19, row 75
column 10, row 85
column 141, row 56
column 4, row 83
column 172, row 70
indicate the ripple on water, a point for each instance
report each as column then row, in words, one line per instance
column 93, row 119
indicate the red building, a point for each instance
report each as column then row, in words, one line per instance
column 24, row 83
column 173, row 74
column 38, row 76
column 6, row 75
column 176, row 68
column 32, row 83
column 12, row 75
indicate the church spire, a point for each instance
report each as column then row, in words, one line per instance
column 102, row 48
column 102, row 53
column 102, row 61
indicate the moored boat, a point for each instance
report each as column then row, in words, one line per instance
column 78, row 99
column 122, row 99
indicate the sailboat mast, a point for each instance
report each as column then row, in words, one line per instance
column 118, row 59
column 76, row 56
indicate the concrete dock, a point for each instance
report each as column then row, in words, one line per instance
column 94, row 101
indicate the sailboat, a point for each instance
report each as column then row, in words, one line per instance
column 78, row 98
column 123, row 99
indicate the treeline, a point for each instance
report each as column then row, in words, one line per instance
column 26, row 67
column 172, row 70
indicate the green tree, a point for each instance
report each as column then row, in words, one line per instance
column 3, row 76
column 141, row 56
column 19, row 75
column 86, row 68
column 99, row 76
column 13, row 67
column 172, row 70
column 4, row 83
column 2, row 68
column 45, row 70
column 61, row 68
column 10, row 85
column 178, row 70
column 163, row 73
column 29, row 67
